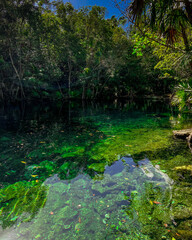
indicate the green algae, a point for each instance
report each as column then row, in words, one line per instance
column 22, row 201
column 92, row 143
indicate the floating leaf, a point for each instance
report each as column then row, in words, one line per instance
column 157, row 202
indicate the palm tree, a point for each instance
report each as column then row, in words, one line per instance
column 170, row 18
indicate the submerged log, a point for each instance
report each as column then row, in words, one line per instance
column 185, row 134
column 182, row 133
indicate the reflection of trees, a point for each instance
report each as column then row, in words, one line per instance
column 58, row 134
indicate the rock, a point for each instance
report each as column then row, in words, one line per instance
column 66, row 213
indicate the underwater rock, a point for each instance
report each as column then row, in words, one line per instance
column 66, row 213
column 52, row 180
column 59, row 187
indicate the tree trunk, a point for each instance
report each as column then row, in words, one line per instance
column 17, row 73
column 69, row 78
column 83, row 93
column 185, row 39
column 188, row 7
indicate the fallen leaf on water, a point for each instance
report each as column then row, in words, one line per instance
column 156, row 202
column 23, row 162
column 151, row 202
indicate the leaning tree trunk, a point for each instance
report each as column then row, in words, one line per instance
column 188, row 7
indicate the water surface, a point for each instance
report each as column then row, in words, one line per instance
column 94, row 171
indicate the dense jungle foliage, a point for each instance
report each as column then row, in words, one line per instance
column 48, row 49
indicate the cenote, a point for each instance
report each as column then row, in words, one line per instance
column 79, row 170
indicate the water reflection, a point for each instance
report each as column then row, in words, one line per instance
column 60, row 178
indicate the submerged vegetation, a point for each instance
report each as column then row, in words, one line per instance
column 62, row 178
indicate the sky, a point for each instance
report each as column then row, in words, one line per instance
column 111, row 10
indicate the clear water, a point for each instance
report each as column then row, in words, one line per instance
column 94, row 171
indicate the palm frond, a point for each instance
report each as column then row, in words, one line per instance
column 136, row 8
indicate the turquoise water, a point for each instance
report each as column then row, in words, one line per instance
column 94, row 171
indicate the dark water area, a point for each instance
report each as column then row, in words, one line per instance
column 90, row 170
